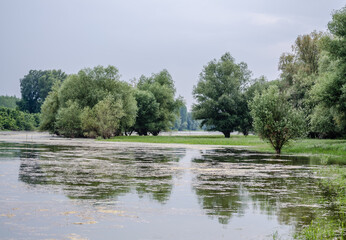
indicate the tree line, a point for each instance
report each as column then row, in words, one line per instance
column 95, row 102
column 309, row 98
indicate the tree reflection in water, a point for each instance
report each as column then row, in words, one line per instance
column 84, row 173
column 227, row 183
column 230, row 182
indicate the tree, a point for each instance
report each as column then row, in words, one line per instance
column 49, row 110
column 35, row 87
column 219, row 95
column 330, row 90
column 13, row 119
column 148, row 112
column 180, row 123
column 90, row 89
column 192, row 124
column 8, row 101
column 161, row 86
column 304, row 58
column 274, row 120
column 103, row 119
column 68, row 120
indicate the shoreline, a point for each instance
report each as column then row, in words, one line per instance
column 44, row 138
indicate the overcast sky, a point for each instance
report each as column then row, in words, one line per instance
column 146, row 36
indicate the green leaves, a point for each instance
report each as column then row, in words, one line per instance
column 35, row 87
column 13, row 119
column 103, row 119
column 148, row 112
column 92, row 103
column 159, row 115
column 219, row 95
column 274, row 120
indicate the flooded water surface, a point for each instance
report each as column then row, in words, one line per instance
column 134, row 192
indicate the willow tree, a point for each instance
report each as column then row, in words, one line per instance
column 220, row 95
column 274, row 120
column 99, row 90
column 164, row 106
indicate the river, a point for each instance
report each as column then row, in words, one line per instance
column 54, row 188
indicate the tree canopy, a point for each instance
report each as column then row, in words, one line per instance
column 219, row 94
column 92, row 103
column 9, row 101
column 162, row 112
column 35, row 87
column 274, row 120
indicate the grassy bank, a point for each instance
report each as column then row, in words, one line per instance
column 331, row 150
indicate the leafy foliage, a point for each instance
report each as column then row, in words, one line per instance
column 68, row 120
column 329, row 93
column 161, row 86
column 103, row 119
column 49, row 110
column 221, row 104
column 274, row 120
column 35, row 87
column 148, row 112
column 8, row 101
column 13, row 119
column 92, row 103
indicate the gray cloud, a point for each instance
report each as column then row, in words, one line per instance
column 143, row 37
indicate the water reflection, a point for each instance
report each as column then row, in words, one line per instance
column 229, row 185
column 84, row 173
column 228, row 182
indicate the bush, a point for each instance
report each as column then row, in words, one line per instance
column 274, row 119
column 68, row 121
column 14, row 120
column 103, row 119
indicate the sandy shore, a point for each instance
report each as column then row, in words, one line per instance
column 47, row 139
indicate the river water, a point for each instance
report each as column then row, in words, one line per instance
column 149, row 192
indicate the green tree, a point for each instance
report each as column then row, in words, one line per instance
column 219, row 95
column 13, row 119
column 300, row 71
column 148, row 112
column 180, row 123
column 274, row 120
column 49, row 110
column 90, row 89
column 192, row 124
column 68, row 120
column 161, row 85
column 330, row 89
column 304, row 58
column 35, row 87
column 103, row 119
column 8, row 101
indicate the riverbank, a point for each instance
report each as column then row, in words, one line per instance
column 330, row 150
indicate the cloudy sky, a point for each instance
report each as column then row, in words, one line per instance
column 146, row 36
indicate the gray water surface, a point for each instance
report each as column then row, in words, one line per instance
column 59, row 192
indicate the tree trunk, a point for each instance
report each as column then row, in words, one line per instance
column 227, row 134
column 155, row 133
column 278, row 151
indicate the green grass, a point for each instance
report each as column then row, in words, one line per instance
column 334, row 187
column 331, row 150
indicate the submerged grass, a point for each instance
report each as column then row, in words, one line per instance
column 334, row 187
column 332, row 151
